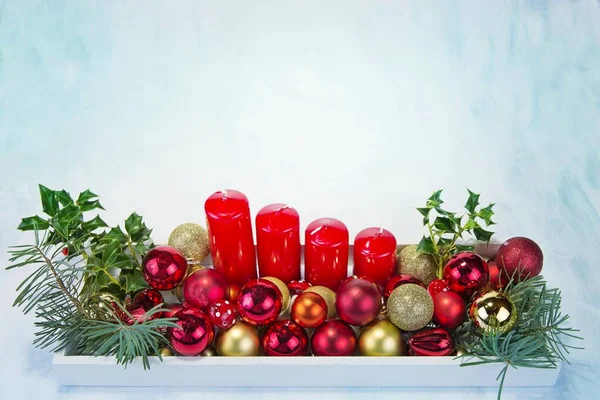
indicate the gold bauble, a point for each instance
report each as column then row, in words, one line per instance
column 209, row 352
column 418, row 265
column 240, row 340
column 285, row 292
column 410, row 307
column 493, row 311
column 166, row 352
column 191, row 240
column 329, row 296
column 381, row 338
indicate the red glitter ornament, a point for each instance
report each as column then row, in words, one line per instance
column 204, row 287
column 358, row 301
column 164, row 268
column 297, row 287
column 142, row 302
column 435, row 342
column 449, row 310
column 334, row 338
column 398, row 280
column 195, row 334
column 437, row 286
column 285, row 338
column 466, row 272
column 223, row 314
column 259, row 302
column 519, row 253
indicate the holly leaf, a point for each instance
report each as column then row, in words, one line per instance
column 85, row 196
column 110, row 252
column 62, row 228
column 482, row 234
column 471, row 224
column 426, row 246
column 425, row 213
column 486, row 214
column 134, row 224
column 33, row 223
column 435, row 199
column 462, row 247
column 94, row 224
column 90, row 205
column 115, row 233
column 472, row 202
column 444, row 224
column 135, row 281
column 63, row 197
column 68, row 213
column 49, row 200
column 124, row 262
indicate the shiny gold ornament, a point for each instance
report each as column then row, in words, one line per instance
column 238, row 341
column 191, row 240
column 285, row 293
column 209, row 352
column 410, row 307
column 418, row 265
column 381, row 338
column 166, row 352
column 460, row 352
column 493, row 311
column 329, row 296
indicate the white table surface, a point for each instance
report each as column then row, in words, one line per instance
column 356, row 110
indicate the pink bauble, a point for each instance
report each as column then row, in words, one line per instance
column 173, row 309
column 223, row 314
column 466, row 273
column 519, row 253
column 285, row 338
column 334, row 338
column 259, row 302
column 358, row 301
column 204, row 287
column 195, row 333
column 164, row 268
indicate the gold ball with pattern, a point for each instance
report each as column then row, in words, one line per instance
column 418, row 265
column 381, row 338
column 191, row 240
column 410, row 307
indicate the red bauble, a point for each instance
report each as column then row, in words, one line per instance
column 195, row 334
column 358, row 301
column 449, row 310
column 435, row 342
column 334, row 338
column 309, row 310
column 164, row 268
column 398, row 280
column 173, row 309
column 519, row 253
column 497, row 280
column 437, row 286
column 223, row 314
column 285, row 338
column 466, row 272
column 259, row 302
column 142, row 302
column 204, row 287
column 297, row 287
column 232, row 294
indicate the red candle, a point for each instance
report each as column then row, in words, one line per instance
column 326, row 252
column 375, row 255
column 230, row 234
column 278, row 242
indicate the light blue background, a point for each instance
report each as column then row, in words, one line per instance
column 356, row 110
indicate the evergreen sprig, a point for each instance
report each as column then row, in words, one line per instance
column 445, row 228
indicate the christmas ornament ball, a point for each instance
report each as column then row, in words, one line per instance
column 519, row 253
column 434, row 342
column 358, row 301
column 493, row 311
column 410, row 307
column 240, row 340
column 380, row 338
column 466, row 272
column 398, row 280
column 328, row 295
column 204, row 287
column 309, row 310
column 259, row 302
column 285, row 292
column 143, row 302
column 334, row 338
column 297, row 287
column 209, row 352
column 191, row 240
column 195, row 332
column 449, row 310
column 223, row 314
column 285, row 338
column 418, row 265
column 437, row 286
column 164, row 268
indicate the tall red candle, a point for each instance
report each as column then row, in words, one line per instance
column 278, row 242
column 230, row 234
column 375, row 255
column 326, row 252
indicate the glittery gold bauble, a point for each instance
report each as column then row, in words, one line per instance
column 493, row 311
column 285, row 293
column 166, row 352
column 410, row 307
column 209, row 352
column 239, row 340
column 418, row 265
column 191, row 240
column 329, row 296
column 381, row 338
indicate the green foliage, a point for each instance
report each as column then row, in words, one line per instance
column 66, row 290
column 446, row 228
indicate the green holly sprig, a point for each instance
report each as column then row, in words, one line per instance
column 446, row 228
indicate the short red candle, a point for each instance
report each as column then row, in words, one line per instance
column 375, row 255
column 278, row 242
column 230, row 233
column 326, row 252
